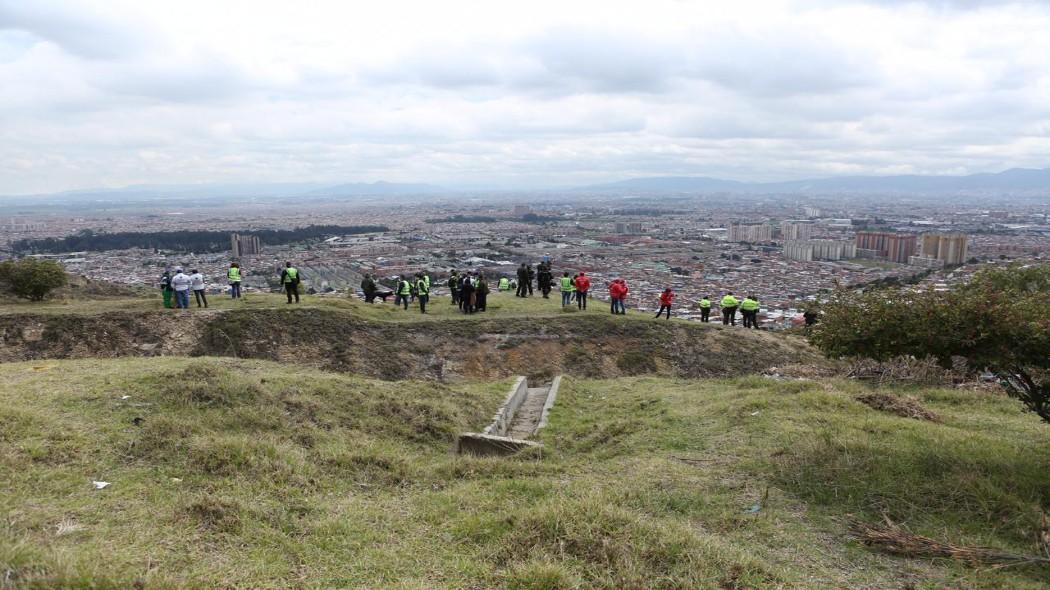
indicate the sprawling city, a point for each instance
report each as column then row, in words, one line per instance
column 783, row 249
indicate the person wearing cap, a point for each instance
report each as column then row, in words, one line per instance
column 180, row 283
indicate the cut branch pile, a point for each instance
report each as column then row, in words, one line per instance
column 902, row 406
column 894, row 539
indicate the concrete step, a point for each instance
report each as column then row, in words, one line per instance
column 527, row 418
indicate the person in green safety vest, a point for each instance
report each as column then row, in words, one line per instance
column 422, row 292
column 290, row 279
column 403, row 292
column 234, row 277
column 504, row 284
column 729, row 305
column 705, row 309
column 166, row 291
column 749, row 309
column 453, row 287
column 566, row 289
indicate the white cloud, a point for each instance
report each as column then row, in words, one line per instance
column 115, row 92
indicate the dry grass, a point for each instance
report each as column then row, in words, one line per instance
column 895, row 539
column 905, row 407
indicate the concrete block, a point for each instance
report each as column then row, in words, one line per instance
column 474, row 443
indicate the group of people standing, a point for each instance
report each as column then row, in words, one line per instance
column 729, row 305
column 175, row 289
column 409, row 289
column 470, row 290
column 175, row 286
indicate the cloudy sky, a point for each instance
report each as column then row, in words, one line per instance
column 516, row 94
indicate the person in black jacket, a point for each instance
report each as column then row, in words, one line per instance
column 466, row 293
column 523, row 280
column 481, row 294
column 368, row 287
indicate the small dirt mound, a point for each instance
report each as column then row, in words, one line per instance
column 905, row 407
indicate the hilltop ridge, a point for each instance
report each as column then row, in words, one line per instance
column 533, row 337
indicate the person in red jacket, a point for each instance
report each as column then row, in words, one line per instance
column 624, row 291
column 615, row 292
column 665, row 302
column 583, row 283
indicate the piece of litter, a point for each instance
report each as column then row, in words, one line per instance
column 176, row 480
column 755, row 413
column 754, row 509
column 125, row 397
column 100, row 484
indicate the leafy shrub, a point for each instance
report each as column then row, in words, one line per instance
column 998, row 321
column 31, row 278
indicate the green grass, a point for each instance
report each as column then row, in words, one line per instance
column 440, row 308
column 248, row 474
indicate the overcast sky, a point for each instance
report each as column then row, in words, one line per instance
column 524, row 94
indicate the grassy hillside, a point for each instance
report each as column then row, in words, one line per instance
column 249, row 474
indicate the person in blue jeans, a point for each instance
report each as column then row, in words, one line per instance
column 566, row 289
column 180, row 283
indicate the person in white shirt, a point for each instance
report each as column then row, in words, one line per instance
column 197, row 283
column 180, row 283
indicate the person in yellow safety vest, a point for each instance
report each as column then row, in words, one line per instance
column 234, row 276
column 705, row 309
column 426, row 278
column 729, row 305
column 504, row 284
column 566, row 289
column 290, row 279
column 749, row 309
column 423, row 292
column 403, row 292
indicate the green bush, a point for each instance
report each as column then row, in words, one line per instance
column 31, row 278
column 999, row 321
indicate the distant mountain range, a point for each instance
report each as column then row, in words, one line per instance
column 379, row 188
column 1014, row 180
column 204, row 192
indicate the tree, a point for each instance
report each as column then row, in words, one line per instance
column 999, row 321
column 31, row 278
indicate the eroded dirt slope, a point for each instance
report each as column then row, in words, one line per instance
column 589, row 346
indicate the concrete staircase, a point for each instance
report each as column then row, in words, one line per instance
column 522, row 414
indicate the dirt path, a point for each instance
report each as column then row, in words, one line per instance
column 527, row 418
